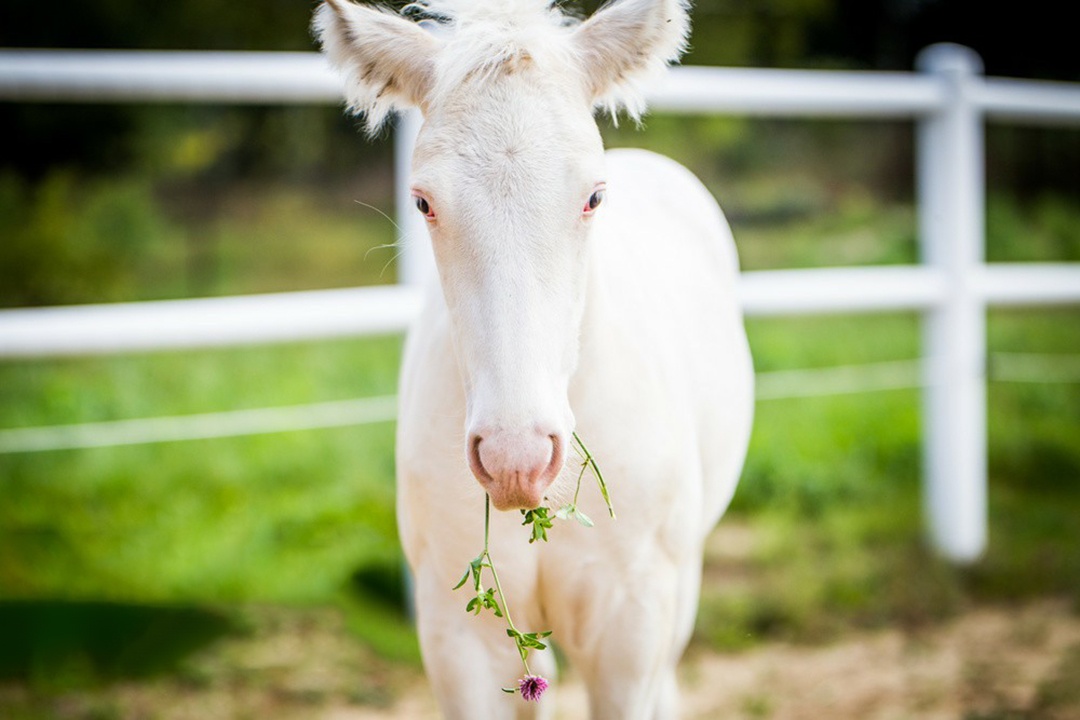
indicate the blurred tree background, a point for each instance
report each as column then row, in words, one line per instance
column 117, row 562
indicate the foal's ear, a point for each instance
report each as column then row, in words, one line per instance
column 387, row 61
column 626, row 42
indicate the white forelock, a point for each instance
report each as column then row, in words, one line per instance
column 481, row 36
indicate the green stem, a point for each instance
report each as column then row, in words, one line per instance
column 581, row 474
column 495, row 576
column 487, row 521
column 591, row 462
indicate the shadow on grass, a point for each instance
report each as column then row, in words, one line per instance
column 377, row 610
column 67, row 644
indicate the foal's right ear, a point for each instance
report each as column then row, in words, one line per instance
column 387, row 61
column 624, row 43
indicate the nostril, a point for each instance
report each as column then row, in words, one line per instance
column 475, row 463
column 558, row 456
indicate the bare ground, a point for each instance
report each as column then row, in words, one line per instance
column 988, row 664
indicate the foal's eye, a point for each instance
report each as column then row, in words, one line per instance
column 424, row 206
column 594, row 201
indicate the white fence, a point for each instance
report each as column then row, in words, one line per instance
column 948, row 98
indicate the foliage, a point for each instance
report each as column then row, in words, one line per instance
column 1046, row 225
column 74, row 240
column 69, row 242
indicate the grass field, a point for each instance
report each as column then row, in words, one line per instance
column 172, row 546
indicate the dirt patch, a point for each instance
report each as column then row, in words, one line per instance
column 990, row 663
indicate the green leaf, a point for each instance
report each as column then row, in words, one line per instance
column 489, row 601
column 463, row 578
column 527, row 641
column 531, row 641
column 538, row 518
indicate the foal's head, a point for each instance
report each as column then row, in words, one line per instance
column 509, row 173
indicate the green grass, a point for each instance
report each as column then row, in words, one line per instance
column 283, row 517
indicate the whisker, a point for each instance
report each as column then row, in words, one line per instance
column 384, row 246
column 400, row 243
column 388, row 218
column 401, row 249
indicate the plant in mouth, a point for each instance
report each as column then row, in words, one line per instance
column 541, row 519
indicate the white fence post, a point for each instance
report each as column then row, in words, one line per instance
column 951, row 199
column 415, row 259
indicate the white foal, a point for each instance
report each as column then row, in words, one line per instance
column 577, row 290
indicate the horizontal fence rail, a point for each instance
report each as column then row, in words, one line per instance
column 206, row 322
column 164, row 76
column 385, row 309
column 949, row 100
column 303, row 77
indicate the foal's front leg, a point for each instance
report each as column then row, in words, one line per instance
column 641, row 624
column 638, row 633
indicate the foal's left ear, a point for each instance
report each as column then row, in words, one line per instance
column 624, row 43
column 388, row 61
